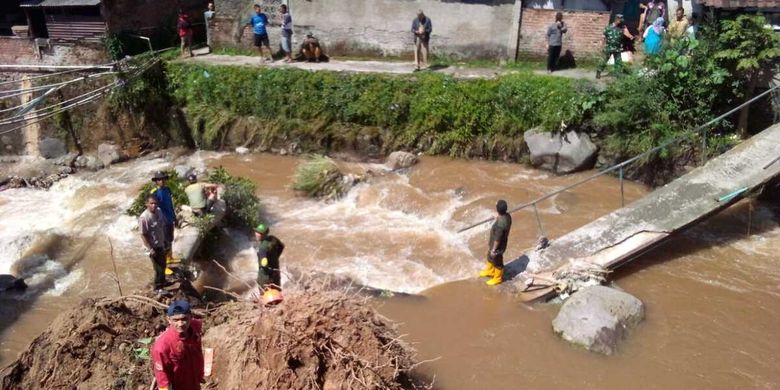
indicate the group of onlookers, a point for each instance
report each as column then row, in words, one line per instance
column 619, row 40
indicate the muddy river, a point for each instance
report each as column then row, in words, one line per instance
column 710, row 294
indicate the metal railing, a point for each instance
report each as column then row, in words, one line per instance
column 620, row 167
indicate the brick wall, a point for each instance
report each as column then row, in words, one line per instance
column 21, row 51
column 15, row 50
column 584, row 37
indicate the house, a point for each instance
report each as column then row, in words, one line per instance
column 64, row 32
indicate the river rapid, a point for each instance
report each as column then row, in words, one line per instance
column 711, row 293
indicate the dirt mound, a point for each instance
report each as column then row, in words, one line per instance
column 89, row 347
column 324, row 340
column 311, row 341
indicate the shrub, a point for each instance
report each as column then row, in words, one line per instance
column 243, row 206
column 319, row 177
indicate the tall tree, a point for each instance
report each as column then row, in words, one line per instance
column 750, row 50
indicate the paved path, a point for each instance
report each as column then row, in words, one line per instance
column 389, row 67
column 623, row 235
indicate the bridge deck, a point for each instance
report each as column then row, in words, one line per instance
column 623, row 234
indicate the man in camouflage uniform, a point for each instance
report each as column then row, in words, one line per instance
column 612, row 36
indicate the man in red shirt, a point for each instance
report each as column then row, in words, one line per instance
column 177, row 356
column 184, row 28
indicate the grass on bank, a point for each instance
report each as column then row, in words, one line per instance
column 319, row 177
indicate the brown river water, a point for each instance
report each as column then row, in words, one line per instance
column 711, row 294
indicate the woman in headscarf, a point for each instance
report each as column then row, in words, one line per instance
column 654, row 35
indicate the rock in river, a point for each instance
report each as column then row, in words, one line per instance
column 399, row 159
column 598, row 317
column 560, row 152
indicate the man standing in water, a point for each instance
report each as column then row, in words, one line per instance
column 165, row 203
column 177, row 355
column 269, row 249
column 499, row 236
column 152, row 226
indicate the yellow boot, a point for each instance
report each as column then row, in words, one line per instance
column 488, row 271
column 498, row 277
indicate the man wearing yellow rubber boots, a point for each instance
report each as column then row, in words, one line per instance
column 499, row 235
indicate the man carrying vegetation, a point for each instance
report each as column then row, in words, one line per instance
column 499, row 236
column 269, row 249
column 200, row 195
column 612, row 47
column 177, row 355
column 152, row 226
column 258, row 21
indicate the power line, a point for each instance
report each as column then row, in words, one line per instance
column 114, row 85
column 54, row 74
column 18, row 92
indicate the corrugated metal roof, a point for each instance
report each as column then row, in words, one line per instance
column 60, row 3
column 733, row 4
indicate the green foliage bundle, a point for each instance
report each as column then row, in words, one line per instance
column 174, row 182
column 319, row 177
column 429, row 112
column 243, row 206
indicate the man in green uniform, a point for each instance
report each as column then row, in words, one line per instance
column 499, row 236
column 269, row 249
column 612, row 36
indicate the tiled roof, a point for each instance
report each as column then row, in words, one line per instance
column 731, row 4
column 60, row 3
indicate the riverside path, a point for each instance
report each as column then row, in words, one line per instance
column 626, row 233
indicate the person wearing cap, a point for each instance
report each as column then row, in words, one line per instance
column 165, row 203
column 177, row 354
column 499, row 236
column 269, row 250
column 197, row 195
column 151, row 223
column 613, row 34
column 421, row 28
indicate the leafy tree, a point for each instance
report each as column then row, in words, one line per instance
column 749, row 50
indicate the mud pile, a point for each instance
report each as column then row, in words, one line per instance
column 89, row 347
column 311, row 341
column 326, row 340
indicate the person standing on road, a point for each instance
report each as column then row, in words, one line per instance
column 613, row 35
column 177, row 354
column 287, row 32
column 499, row 237
column 554, row 41
column 165, row 203
column 269, row 250
column 207, row 17
column 151, row 223
column 184, row 28
column 421, row 28
column 259, row 21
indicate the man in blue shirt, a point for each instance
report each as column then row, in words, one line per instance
column 259, row 21
column 165, row 203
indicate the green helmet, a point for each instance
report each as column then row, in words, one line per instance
column 261, row 228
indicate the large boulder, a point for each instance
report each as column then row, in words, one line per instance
column 110, row 153
column 560, row 152
column 399, row 160
column 11, row 283
column 51, row 148
column 598, row 317
column 89, row 162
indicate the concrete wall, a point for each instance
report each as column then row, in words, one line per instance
column 464, row 28
column 584, row 38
